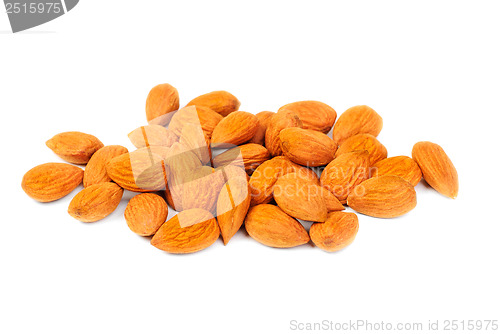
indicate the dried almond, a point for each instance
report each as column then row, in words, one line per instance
column 364, row 141
column 402, row 166
column 220, row 101
column 95, row 171
column 250, row 156
column 385, row 196
column 264, row 118
column 51, row 181
column 152, row 135
column 95, row 202
column 237, row 128
column 272, row 227
column 307, row 147
column 200, row 116
column 146, row 213
column 75, row 147
column 314, row 115
column 161, row 101
column 358, row 119
column 336, row 233
column 332, row 202
column 278, row 122
column 201, row 189
column 437, row 168
column 194, row 139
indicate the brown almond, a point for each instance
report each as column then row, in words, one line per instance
column 264, row 118
column 235, row 129
column 307, row 147
column 152, row 135
column 332, row 202
column 201, row 189
column 336, row 233
column 402, row 166
column 220, row 101
column 200, row 116
column 314, row 115
column 278, row 122
column 358, row 119
column 161, row 101
column 75, row 147
column 364, row 141
column 250, row 156
column 95, row 171
column 95, row 202
column 194, row 139
column 146, row 213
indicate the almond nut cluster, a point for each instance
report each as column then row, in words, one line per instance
column 221, row 168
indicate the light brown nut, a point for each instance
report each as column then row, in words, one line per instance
column 364, row 141
column 75, row 147
column 161, row 101
column 152, row 135
column 272, row 227
column 200, row 116
column 95, row 171
column 188, row 232
column 437, row 168
column 95, row 202
column 402, row 166
column 307, row 147
column 332, row 202
column 201, row 189
column 300, row 198
column 235, row 129
column 314, row 115
column 220, row 101
column 358, row 119
column 344, row 173
column 264, row 118
column 248, row 156
column 194, row 139
column 146, row 213
column 336, row 233
column 278, row 122
column 232, row 207
column 385, row 196
column 51, row 181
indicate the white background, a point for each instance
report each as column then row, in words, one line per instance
column 430, row 68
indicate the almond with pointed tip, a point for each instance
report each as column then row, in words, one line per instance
column 264, row 118
column 307, row 147
column 402, row 166
column 200, row 116
column 146, row 213
column 314, row 115
column 332, row 202
column 364, row 141
column 95, row 171
column 278, row 122
column 336, row 233
column 162, row 100
column 152, row 135
column 235, row 129
column 95, row 202
column 75, row 147
column 220, row 101
column 250, row 156
column 358, row 119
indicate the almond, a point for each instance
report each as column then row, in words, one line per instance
column 194, row 139
column 336, row 233
column 146, row 213
column 161, row 101
column 437, row 168
column 95, row 202
column 232, row 207
column 237, row 128
column 332, row 202
column 383, row 197
column 95, row 171
column 344, row 173
column 220, row 101
column 201, row 189
column 307, row 147
column 188, row 232
column 358, row 119
column 51, row 181
column 272, row 227
column 300, row 198
column 264, row 118
column 250, row 156
column 152, row 135
column 75, row 147
column 402, row 166
column 278, row 122
column 314, row 115
column 200, row 116
column 364, row 141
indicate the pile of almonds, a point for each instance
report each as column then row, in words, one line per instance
column 221, row 168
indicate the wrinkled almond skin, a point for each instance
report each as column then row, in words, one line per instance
column 437, row 168
column 336, row 233
column 161, row 101
column 278, row 122
column 201, row 189
column 75, row 147
column 95, row 171
column 220, row 101
column 188, row 232
column 250, row 156
column 194, row 139
column 235, row 129
column 51, row 181
column 358, row 119
column 95, row 202
column 402, row 166
column 307, row 147
column 383, row 197
column 300, row 198
column 364, row 141
column 232, row 207
column 332, row 202
column 152, row 135
column 201, row 116
column 146, row 213
column 272, row 227
column 345, row 172
column 264, row 118
column 314, row 115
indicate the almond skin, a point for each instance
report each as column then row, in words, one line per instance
column 74, row 147
column 358, row 119
column 336, row 233
column 277, row 123
column 188, row 232
column 364, row 141
column 146, row 213
column 344, row 173
column 386, row 196
column 314, row 115
column 95, row 171
column 152, row 135
column 402, row 166
column 272, row 227
column 232, row 207
column 250, row 156
column 201, row 189
column 51, row 181
column 201, row 116
column 307, row 147
column 300, row 198
column 332, row 202
column 264, row 118
column 437, row 168
column 161, row 101
column 194, row 139
column 220, row 101
column 237, row 128
column 95, row 202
